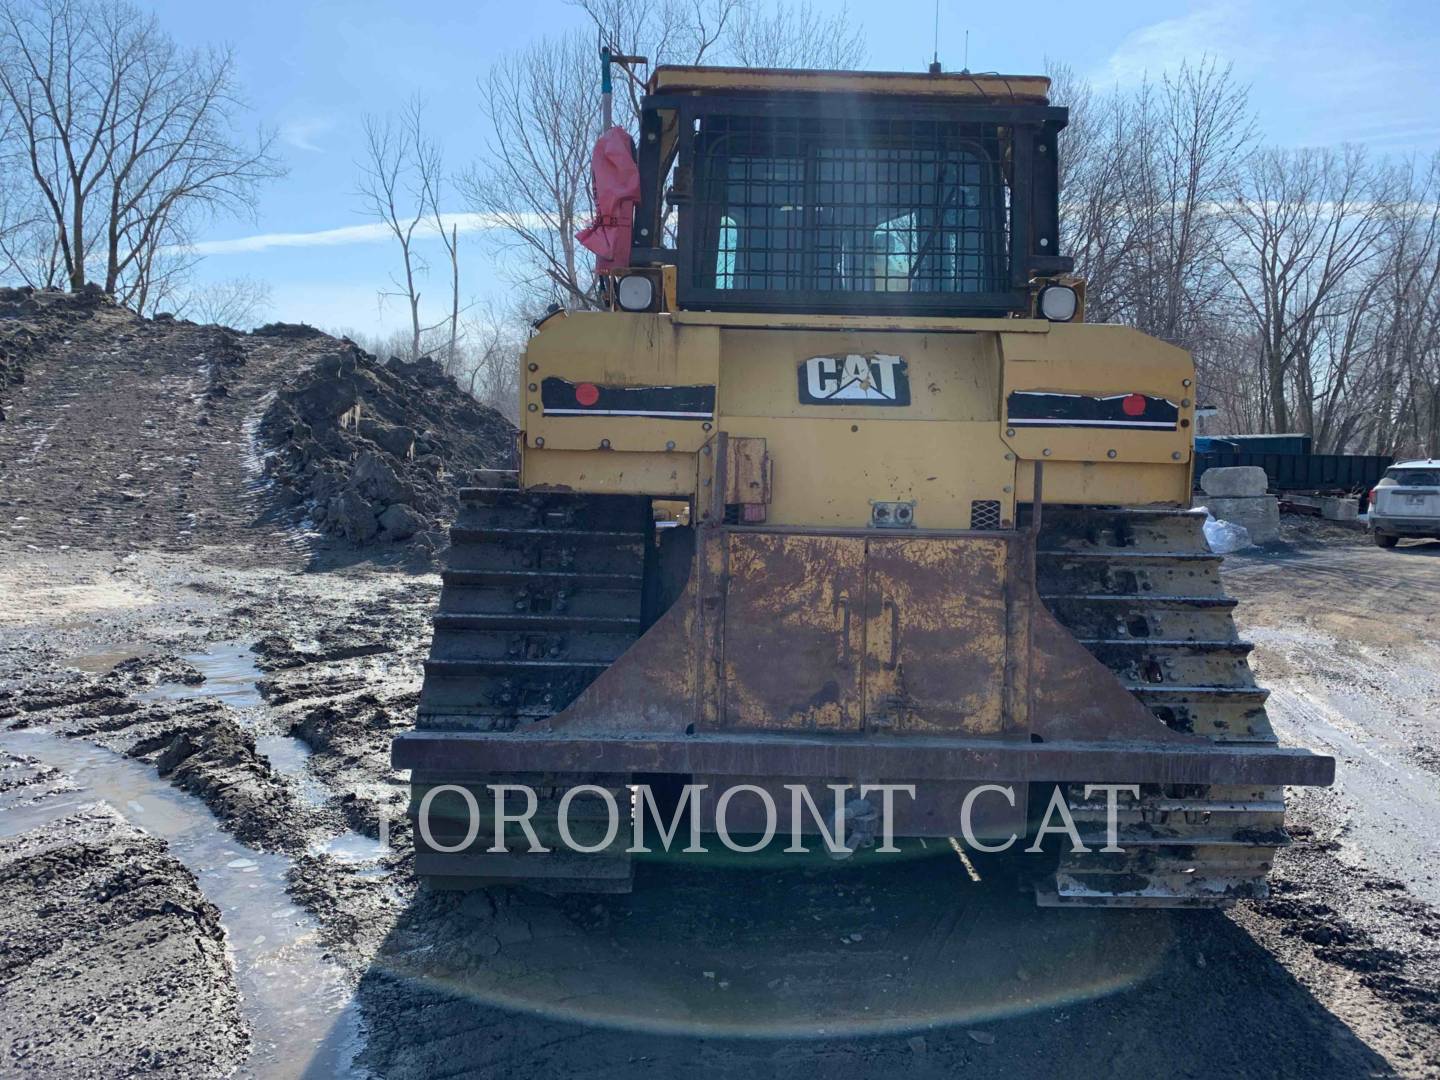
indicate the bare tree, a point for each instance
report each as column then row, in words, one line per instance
column 663, row 31
column 1097, row 183
column 432, row 178
column 1383, row 391
column 393, row 190
column 239, row 302
column 1306, row 221
column 1305, row 282
column 1193, row 147
column 161, row 267
column 1144, row 182
column 402, row 184
column 795, row 35
column 542, row 105
column 122, row 135
column 494, row 344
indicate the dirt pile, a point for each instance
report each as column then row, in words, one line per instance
column 126, row 431
column 376, row 451
column 30, row 319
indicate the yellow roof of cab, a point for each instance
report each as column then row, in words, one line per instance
column 1018, row 89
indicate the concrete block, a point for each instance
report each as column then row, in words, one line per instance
column 1258, row 513
column 1239, row 482
column 1338, row 509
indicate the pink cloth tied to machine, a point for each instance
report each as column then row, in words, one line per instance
column 617, row 190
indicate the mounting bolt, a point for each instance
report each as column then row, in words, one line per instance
column 534, row 387
column 534, row 367
column 705, row 450
column 1007, row 489
column 1184, row 382
column 533, row 407
column 1046, row 451
column 1175, row 456
column 1185, row 403
column 705, row 427
column 670, row 444
column 1110, row 453
column 604, row 444
column 1009, row 457
column 1009, row 431
column 540, row 441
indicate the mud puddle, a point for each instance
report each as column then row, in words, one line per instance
column 230, row 676
column 300, row 1007
column 290, row 757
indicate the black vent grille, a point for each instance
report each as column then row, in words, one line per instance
column 985, row 514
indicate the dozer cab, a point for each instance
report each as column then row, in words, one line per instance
column 920, row 527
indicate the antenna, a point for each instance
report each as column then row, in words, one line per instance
column 935, row 56
column 966, row 68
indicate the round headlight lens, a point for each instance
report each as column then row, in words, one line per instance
column 635, row 292
column 1058, row 303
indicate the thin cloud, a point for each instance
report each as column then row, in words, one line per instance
column 303, row 132
column 1168, row 43
column 348, row 234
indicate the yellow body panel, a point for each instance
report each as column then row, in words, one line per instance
column 621, row 349
column 611, row 473
column 952, row 376
column 947, row 448
column 1080, row 358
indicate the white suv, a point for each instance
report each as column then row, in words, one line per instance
column 1406, row 502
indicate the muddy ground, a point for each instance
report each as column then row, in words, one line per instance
column 194, row 788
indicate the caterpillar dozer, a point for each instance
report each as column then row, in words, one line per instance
column 841, row 489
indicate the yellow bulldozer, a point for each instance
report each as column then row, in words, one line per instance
column 925, row 531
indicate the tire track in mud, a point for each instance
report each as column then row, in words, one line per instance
column 291, row 1004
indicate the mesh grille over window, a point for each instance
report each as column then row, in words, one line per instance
column 849, row 205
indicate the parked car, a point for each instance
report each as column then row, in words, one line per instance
column 1405, row 504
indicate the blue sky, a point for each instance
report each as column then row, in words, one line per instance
column 1320, row 71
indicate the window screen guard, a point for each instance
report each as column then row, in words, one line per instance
column 849, row 206
column 846, row 204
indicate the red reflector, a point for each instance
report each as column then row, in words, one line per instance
column 1134, row 405
column 587, row 394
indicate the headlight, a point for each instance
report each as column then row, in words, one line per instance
column 1058, row 303
column 635, row 292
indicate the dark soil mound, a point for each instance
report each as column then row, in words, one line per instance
column 30, row 319
column 376, row 451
